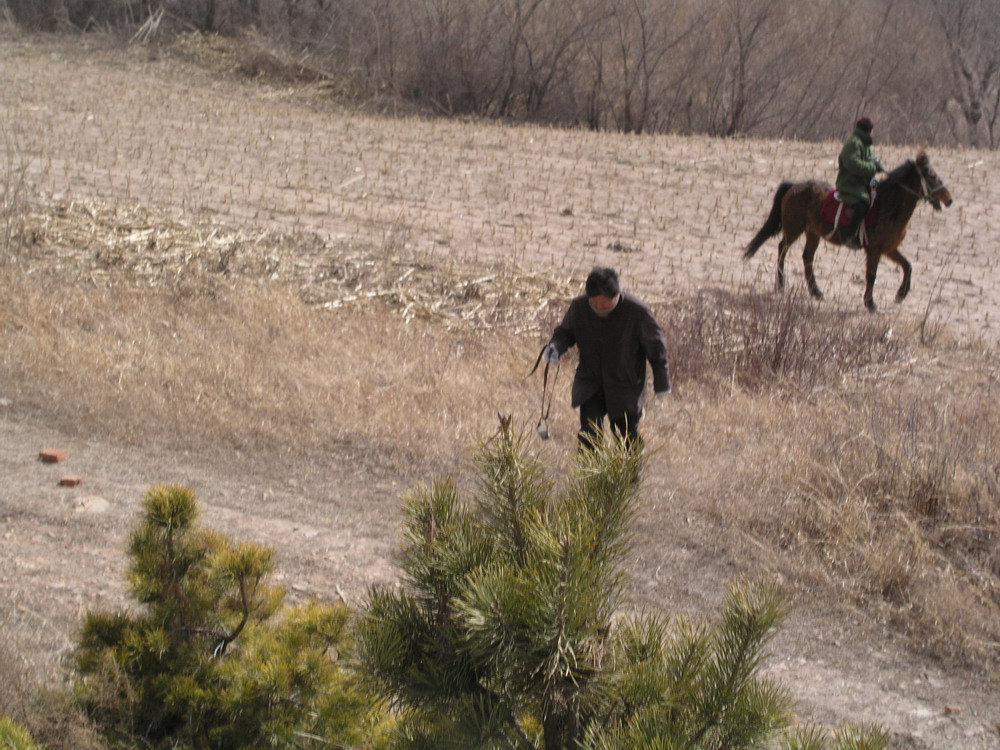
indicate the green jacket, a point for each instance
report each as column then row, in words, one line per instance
column 857, row 166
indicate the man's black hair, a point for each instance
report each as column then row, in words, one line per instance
column 603, row 282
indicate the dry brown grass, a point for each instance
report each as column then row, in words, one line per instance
column 16, row 678
column 48, row 714
column 127, row 324
column 858, row 458
column 12, row 189
column 885, row 491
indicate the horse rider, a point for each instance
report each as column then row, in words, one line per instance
column 616, row 334
column 857, row 167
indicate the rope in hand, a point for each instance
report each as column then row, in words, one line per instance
column 542, row 428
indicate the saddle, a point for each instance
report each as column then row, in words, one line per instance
column 835, row 212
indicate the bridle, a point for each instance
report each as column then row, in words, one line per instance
column 924, row 191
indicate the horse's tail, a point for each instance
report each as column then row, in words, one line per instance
column 773, row 224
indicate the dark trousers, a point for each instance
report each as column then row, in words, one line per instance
column 592, row 414
column 858, row 212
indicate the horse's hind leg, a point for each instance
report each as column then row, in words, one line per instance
column 898, row 258
column 792, row 227
column 788, row 237
column 812, row 242
column 782, row 252
column 871, row 269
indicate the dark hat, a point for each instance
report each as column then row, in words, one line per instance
column 865, row 124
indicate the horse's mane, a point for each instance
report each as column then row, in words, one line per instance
column 892, row 189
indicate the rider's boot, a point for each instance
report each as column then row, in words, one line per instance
column 858, row 212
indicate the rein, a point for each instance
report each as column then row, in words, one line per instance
column 542, row 428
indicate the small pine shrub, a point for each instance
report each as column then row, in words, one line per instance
column 859, row 737
column 508, row 630
column 211, row 660
column 13, row 736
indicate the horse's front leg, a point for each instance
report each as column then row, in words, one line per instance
column 871, row 269
column 897, row 257
column 812, row 242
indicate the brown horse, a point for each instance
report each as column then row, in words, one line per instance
column 796, row 210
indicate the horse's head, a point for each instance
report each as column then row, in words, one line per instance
column 932, row 187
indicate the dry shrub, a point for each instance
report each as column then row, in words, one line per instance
column 751, row 340
column 49, row 714
column 850, row 455
column 250, row 54
column 13, row 679
column 894, row 499
column 35, row 15
column 58, row 723
column 12, row 189
column 266, row 65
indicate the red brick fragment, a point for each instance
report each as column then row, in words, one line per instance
column 70, row 481
column 51, row 455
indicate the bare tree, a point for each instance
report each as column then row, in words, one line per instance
column 451, row 53
column 591, row 86
column 640, row 56
column 548, row 37
column 743, row 74
column 40, row 15
column 972, row 31
column 927, row 70
column 816, row 68
column 647, row 32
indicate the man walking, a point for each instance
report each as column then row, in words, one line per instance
column 616, row 334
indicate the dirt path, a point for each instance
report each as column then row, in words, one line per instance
column 670, row 212
column 63, row 552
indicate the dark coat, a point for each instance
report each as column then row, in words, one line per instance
column 856, row 168
column 613, row 353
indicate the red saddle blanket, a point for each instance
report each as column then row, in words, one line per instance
column 831, row 203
